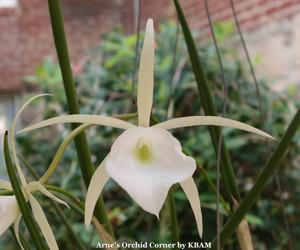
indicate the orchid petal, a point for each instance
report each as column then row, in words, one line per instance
column 41, row 220
column 12, row 137
column 35, row 185
column 5, row 185
column 98, row 181
column 209, row 120
column 9, row 212
column 16, row 230
column 88, row 119
column 145, row 81
column 148, row 173
column 190, row 189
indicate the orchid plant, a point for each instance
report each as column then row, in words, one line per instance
column 9, row 208
column 146, row 160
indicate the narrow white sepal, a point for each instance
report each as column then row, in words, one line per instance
column 12, row 138
column 41, row 220
column 5, row 185
column 98, row 181
column 190, row 189
column 212, row 121
column 145, row 78
column 16, row 230
column 86, row 119
column 36, row 186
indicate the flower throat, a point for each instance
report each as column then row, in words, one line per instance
column 143, row 151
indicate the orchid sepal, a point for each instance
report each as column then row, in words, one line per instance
column 191, row 191
column 86, row 119
column 41, row 220
column 145, row 77
column 190, row 121
column 98, row 181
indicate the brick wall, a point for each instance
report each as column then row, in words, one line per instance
column 25, row 32
column 251, row 13
column 26, row 37
column 9, row 50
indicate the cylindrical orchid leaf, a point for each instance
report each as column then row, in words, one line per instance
column 262, row 180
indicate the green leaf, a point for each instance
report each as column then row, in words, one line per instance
column 65, row 220
column 24, row 242
column 82, row 148
column 59, row 211
column 262, row 180
column 255, row 220
column 174, row 221
column 209, row 106
column 24, row 208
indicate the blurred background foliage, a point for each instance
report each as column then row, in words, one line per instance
column 104, row 81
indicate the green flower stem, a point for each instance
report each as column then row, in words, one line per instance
column 261, row 182
column 28, row 166
column 25, row 211
column 78, row 206
column 174, row 221
column 76, row 203
column 82, row 148
column 213, row 188
column 60, row 152
column 6, row 192
column 228, row 175
column 24, row 243
column 210, row 183
column 77, row 241
column 58, row 210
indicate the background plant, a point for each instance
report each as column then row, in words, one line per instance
column 104, row 87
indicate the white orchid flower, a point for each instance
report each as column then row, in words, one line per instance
column 9, row 209
column 9, row 212
column 146, row 160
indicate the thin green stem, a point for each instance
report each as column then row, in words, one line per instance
column 60, row 152
column 25, row 211
column 28, row 166
column 213, row 187
column 24, row 243
column 261, row 182
column 77, row 241
column 210, row 183
column 59, row 211
column 207, row 100
column 77, row 205
column 67, row 194
column 82, row 148
column 6, row 192
column 174, row 221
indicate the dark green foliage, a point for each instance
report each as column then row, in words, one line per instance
column 104, row 87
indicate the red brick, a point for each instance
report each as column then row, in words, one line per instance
column 26, row 36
